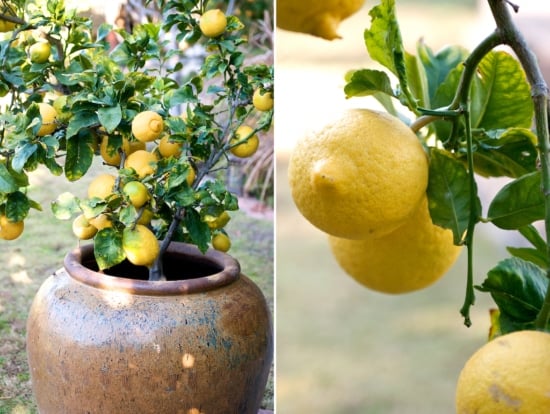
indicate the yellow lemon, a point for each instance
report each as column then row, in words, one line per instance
column 100, row 222
column 136, row 192
column 191, row 175
column 146, row 216
column 147, row 126
column 169, row 148
column 143, row 162
column 135, row 146
column 140, row 245
column 508, row 375
column 49, row 119
column 410, row 258
column 112, row 158
column 39, row 52
column 6, row 26
column 262, row 101
column 221, row 242
column 213, row 23
column 245, row 148
column 82, row 228
column 359, row 176
column 10, row 230
column 318, row 18
column 101, row 186
column 219, row 221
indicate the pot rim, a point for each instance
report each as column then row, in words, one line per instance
column 230, row 272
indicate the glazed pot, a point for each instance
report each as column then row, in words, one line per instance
column 200, row 342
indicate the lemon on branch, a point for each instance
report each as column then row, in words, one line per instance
column 213, row 23
column 359, row 176
column 412, row 257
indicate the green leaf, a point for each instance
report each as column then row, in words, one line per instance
column 449, row 194
column 529, row 254
column 533, row 236
column 383, row 37
column 517, row 287
column 110, row 117
column 366, row 82
column 437, row 68
column 17, row 206
column 65, row 206
column 503, row 96
column 79, row 156
column 108, row 248
column 198, row 229
column 7, row 182
column 518, row 203
column 508, row 153
column 22, row 155
column 384, row 44
column 80, row 120
column 536, row 254
column 418, row 82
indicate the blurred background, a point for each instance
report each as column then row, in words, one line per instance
column 340, row 347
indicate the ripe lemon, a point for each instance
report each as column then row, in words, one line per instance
column 410, row 258
column 221, row 242
column 169, row 148
column 112, row 158
column 82, row 228
column 147, row 126
column 100, row 222
column 191, row 175
column 140, row 245
column 49, row 119
column 246, row 148
column 6, row 26
column 146, row 216
column 318, row 18
column 135, row 146
column 509, row 374
column 10, row 230
column 143, row 162
column 136, row 192
column 213, row 23
column 219, row 221
column 101, row 186
column 262, row 102
column 39, row 52
column 60, row 106
column 360, row 176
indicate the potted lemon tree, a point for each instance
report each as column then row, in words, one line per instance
column 149, row 314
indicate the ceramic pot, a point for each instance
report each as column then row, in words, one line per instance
column 200, row 342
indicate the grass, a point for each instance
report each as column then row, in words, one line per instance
column 29, row 260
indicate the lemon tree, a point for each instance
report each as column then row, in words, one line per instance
column 73, row 98
column 477, row 113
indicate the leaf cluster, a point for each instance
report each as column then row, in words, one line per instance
column 475, row 121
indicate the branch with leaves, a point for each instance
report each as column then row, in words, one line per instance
column 478, row 107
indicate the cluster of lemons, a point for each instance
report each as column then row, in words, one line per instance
column 362, row 179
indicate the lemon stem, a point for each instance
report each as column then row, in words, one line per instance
column 511, row 36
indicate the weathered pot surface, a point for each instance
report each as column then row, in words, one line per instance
column 200, row 342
